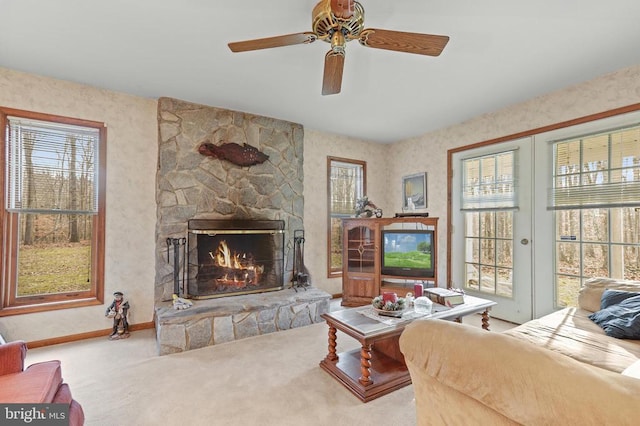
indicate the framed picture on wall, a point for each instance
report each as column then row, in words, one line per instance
column 414, row 191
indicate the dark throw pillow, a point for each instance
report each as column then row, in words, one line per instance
column 613, row 297
column 620, row 320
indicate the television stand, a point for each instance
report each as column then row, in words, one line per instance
column 362, row 277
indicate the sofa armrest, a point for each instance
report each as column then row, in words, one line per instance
column 12, row 357
column 516, row 380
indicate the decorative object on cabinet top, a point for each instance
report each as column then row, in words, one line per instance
column 365, row 208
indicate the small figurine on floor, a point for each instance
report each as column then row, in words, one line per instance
column 118, row 311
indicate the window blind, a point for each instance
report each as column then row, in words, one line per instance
column 489, row 182
column 51, row 167
column 597, row 171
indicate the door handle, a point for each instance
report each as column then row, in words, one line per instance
column 524, row 241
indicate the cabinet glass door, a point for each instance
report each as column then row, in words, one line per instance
column 361, row 250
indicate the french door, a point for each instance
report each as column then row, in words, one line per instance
column 491, row 241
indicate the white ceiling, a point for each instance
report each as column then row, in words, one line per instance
column 501, row 52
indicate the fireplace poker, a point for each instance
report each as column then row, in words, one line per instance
column 300, row 274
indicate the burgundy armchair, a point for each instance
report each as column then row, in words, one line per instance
column 39, row 383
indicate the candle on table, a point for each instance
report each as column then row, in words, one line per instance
column 388, row 296
column 417, row 290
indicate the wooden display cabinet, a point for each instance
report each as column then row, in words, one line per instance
column 360, row 261
column 362, row 279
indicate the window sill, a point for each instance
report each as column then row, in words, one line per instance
column 51, row 306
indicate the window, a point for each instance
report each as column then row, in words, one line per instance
column 489, row 196
column 53, row 179
column 346, row 183
column 596, row 198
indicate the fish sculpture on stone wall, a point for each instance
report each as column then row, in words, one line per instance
column 241, row 155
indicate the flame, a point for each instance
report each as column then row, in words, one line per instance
column 225, row 259
column 246, row 271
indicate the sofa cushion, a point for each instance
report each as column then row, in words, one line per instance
column 571, row 332
column 622, row 319
column 590, row 295
column 37, row 384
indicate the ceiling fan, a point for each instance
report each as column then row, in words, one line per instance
column 338, row 22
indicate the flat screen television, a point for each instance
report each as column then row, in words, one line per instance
column 408, row 253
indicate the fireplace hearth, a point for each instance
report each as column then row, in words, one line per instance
column 234, row 257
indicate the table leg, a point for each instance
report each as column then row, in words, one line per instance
column 485, row 319
column 332, row 356
column 365, row 365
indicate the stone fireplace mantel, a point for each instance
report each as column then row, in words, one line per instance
column 214, row 321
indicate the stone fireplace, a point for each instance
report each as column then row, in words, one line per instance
column 196, row 194
column 191, row 186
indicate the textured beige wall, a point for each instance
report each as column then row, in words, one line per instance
column 317, row 147
column 132, row 161
column 132, row 146
column 429, row 152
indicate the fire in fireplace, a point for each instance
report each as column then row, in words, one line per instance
column 231, row 257
column 235, row 269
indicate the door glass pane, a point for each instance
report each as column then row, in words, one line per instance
column 596, row 225
column 487, row 222
column 567, row 290
column 487, row 251
column 628, row 230
column 489, row 259
column 504, row 253
column 488, row 279
column 596, row 260
column 503, row 225
column 568, row 258
column 472, row 254
column 595, row 160
column 472, row 224
column 505, row 282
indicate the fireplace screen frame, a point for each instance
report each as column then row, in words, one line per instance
column 199, row 228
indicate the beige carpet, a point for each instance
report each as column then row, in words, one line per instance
column 272, row 379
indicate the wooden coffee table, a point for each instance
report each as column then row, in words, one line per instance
column 378, row 367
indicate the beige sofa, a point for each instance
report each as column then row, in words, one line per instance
column 561, row 369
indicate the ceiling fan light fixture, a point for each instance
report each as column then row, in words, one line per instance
column 338, row 22
column 338, row 42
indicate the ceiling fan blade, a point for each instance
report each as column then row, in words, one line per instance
column 333, row 66
column 269, row 42
column 421, row 44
